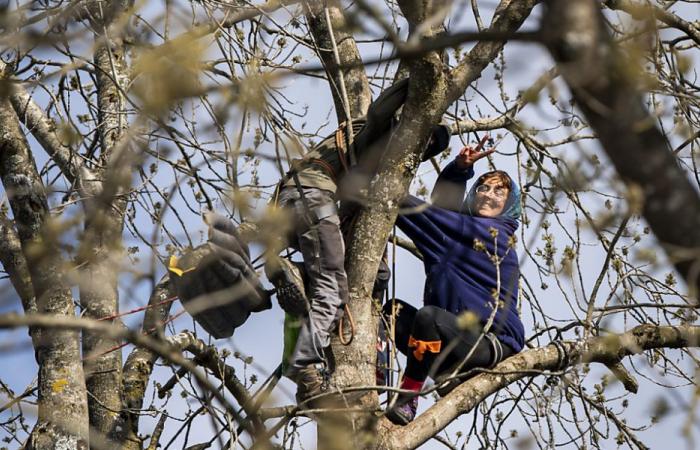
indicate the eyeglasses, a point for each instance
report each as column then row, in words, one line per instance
column 498, row 191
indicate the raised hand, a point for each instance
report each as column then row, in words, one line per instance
column 469, row 155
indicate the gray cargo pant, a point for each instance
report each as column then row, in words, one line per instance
column 318, row 237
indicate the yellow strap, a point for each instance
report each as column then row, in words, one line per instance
column 172, row 266
column 423, row 346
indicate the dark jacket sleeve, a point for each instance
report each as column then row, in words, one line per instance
column 381, row 114
column 451, row 186
column 439, row 140
column 419, row 227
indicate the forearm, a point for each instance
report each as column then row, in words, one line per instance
column 381, row 113
column 385, row 106
column 451, row 186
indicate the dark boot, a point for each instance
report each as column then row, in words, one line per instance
column 312, row 382
column 405, row 406
column 404, row 410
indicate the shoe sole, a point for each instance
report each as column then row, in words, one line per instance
column 396, row 418
column 289, row 288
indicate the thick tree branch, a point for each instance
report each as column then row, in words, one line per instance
column 348, row 67
column 606, row 350
column 15, row 264
column 207, row 356
column 509, row 16
column 62, row 406
column 642, row 11
column 101, row 246
column 239, row 14
column 599, row 75
column 44, row 130
column 139, row 366
column 162, row 349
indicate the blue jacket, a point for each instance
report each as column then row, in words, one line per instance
column 459, row 277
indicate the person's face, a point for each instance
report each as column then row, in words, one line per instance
column 490, row 197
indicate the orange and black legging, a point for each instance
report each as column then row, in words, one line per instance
column 423, row 334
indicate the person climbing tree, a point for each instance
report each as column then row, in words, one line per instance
column 469, row 319
column 337, row 168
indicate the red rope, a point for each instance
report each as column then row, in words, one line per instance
column 142, row 308
column 114, row 349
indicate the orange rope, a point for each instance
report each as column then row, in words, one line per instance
column 341, row 329
column 423, row 346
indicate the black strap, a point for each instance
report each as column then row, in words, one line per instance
column 562, row 355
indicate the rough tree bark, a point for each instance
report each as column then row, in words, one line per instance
column 44, row 130
column 338, row 52
column 15, row 264
column 605, row 84
column 356, row 85
column 138, row 368
column 62, row 397
column 104, row 218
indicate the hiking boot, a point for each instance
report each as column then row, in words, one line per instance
column 289, row 285
column 311, row 382
column 404, row 410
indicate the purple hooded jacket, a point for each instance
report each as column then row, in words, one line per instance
column 458, row 276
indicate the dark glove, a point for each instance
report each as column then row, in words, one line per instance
column 439, row 140
column 216, row 282
column 381, row 283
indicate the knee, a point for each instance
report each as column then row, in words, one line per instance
column 425, row 317
column 403, row 309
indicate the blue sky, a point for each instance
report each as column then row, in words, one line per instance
column 261, row 336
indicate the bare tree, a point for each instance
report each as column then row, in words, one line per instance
column 121, row 123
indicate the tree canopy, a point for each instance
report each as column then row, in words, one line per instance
column 123, row 123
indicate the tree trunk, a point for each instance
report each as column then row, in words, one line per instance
column 62, row 421
column 353, row 72
column 101, row 248
column 138, row 369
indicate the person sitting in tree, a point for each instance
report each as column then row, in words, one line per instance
column 470, row 318
column 337, row 168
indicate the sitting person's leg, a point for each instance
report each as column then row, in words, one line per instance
column 437, row 339
column 434, row 332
